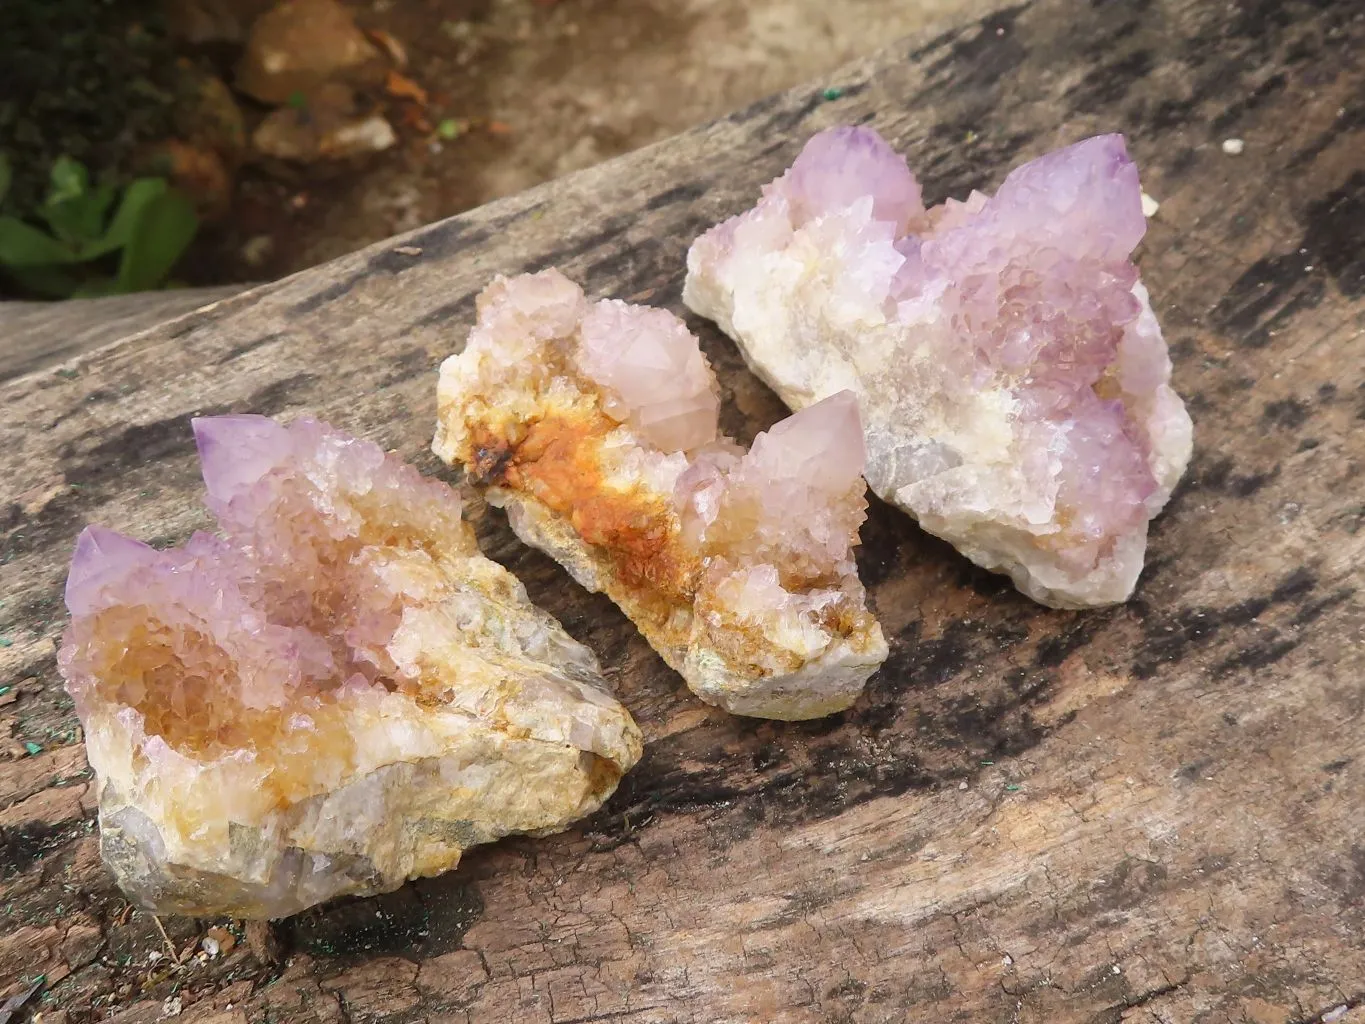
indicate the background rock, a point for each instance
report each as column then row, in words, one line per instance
column 298, row 45
column 324, row 126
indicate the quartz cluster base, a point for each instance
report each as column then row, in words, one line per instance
column 338, row 694
column 595, row 425
column 1012, row 378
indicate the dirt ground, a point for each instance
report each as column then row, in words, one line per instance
column 563, row 85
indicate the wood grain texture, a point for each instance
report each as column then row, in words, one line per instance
column 1146, row 813
column 37, row 335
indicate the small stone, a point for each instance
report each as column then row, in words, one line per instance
column 1232, row 147
column 370, row 134
column 257, row 249
column 595, row 424
column 324, row 126
column 339, row 695
column 300, row 44
column 1012, row 377
column 1149, row 206
column 223, row 939
column 199, row 172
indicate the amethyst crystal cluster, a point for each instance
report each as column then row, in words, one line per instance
column 338, row 694
column 596, row 425
column 1013, row 381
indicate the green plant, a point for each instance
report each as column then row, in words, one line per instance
column 84, row 250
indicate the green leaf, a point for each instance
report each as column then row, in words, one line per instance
column 73, row 209
column 6, row 176
column 69, row 180
column 136, row 198
column 80, row 220
column 23, row 245
column 164, row 228
column 99, row 201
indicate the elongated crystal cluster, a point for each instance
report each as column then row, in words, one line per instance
column 595, row 425
column 338, row 694
column 1012, row 378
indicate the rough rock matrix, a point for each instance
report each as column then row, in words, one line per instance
column 595, row 425
column 1012, row 378
column 337, row 695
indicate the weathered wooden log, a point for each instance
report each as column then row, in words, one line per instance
column 1147, row 813
column 36, row 335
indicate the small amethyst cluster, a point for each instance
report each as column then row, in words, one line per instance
column 1012, row 378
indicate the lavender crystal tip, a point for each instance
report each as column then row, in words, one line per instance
column 1012, row 377
column 236, row 451
column 101, row 555
column 338, row 694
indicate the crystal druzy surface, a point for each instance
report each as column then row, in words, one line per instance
column 1012, row 378
column 595, row 425
column 337, row 694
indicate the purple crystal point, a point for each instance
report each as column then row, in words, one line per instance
column 842, row 165
column 1084, row 198
column 236, row 451
column 102, row 557
column 822, row 444
column 796, row 497
column 649, row 364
